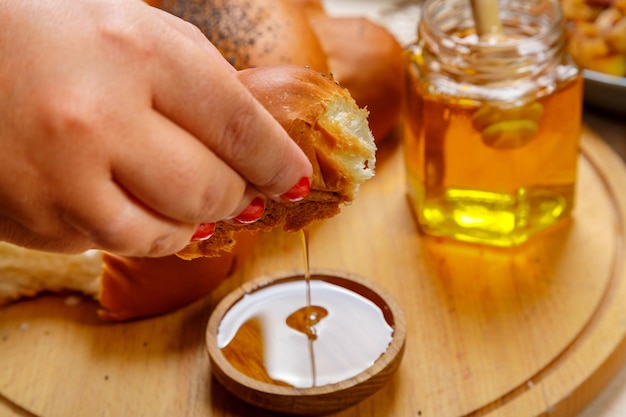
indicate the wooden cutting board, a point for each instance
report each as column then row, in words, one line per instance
column 490, row 332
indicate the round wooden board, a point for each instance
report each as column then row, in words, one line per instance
column 490, row 332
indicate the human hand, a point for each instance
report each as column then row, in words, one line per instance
column 123, row 129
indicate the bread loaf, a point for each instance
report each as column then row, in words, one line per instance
column 253, row 33
column 367, row 60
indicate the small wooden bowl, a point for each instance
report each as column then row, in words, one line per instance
column 318, row 399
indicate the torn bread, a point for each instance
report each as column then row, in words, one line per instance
column 325, row 121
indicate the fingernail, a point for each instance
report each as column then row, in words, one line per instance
column 252, row 213
column 204, row 231
column 298, row 191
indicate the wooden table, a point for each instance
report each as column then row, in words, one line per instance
column 490, row 332
column 531, row 336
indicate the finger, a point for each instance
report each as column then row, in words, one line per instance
column 250, row 209
column 174, row 174
column 206, row 99
column 120, row 224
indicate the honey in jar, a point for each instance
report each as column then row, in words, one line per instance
column 492, row 125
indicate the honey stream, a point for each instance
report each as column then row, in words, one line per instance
column 304, row 319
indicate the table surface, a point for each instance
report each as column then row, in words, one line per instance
column 610, row 403
column 612, row 128
column 399, row 16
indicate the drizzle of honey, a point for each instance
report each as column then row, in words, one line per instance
column 275, row 336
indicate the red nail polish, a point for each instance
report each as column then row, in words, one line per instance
column 204, row 231
column 298, row 191
column 252, row 213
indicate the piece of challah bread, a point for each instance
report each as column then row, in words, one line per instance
column 363, row 56
column 320, row 116
column 325, row 121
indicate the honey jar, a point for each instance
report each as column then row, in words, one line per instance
column 492, row 123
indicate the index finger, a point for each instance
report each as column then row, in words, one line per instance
column 204, row 96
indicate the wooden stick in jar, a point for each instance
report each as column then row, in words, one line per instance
column 487, row 20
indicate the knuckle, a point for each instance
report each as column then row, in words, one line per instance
column 130, row 233
column 237, row 142
column 204, row 197
column 138, row 243
column 66, row 113
column 219, row 204
column 164, row 245
column 194, row 32
column 122, row 35
column 260, row 160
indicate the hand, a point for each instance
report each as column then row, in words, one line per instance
column 123, row 129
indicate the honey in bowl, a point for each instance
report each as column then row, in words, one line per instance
column 273, row 349
column 339, row 336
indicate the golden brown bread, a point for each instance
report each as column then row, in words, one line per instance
column 310, row 7
column 130, row 288
column 327, row 124
column 363, row 56
column 367, row 60
column 253, row 33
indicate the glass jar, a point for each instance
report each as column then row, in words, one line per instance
column 492, row 126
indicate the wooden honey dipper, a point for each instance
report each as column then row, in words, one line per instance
column 487, row 20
